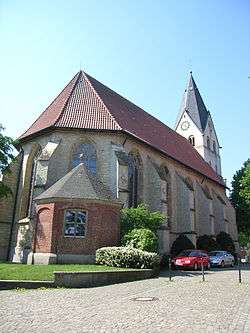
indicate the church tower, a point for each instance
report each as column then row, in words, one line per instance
column 195, row 123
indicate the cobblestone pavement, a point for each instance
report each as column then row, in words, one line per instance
column 184, row 305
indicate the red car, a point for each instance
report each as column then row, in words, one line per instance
column 192, row 259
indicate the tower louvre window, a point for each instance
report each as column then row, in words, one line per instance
column 191, row 140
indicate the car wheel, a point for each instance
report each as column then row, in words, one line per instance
column 196, row 266
column 222, row 265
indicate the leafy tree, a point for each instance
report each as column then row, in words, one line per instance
column 139, row 218
column 240, row 196
column 207, row 243
column 244, row 239
column 6, row 156
column 225, row 242
column 142, row 239
column 181, row 243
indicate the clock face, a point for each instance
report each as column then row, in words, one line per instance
column 185, row 125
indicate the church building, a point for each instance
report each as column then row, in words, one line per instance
column 93, row 152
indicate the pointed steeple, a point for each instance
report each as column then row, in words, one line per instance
column 193, row 104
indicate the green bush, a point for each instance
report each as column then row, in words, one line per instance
column 140, row 218
column 142, row 239
column 127, row 257
column 207, row 243
column 244, row 238
column 225, row 242
column 181, row 243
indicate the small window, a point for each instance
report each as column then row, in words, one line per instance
column 75, row 223
column 191, row 140
column 214, row 146
column 208, row 143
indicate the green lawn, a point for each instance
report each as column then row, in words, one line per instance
column 9, row 271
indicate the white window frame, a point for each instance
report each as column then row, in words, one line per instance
column 75, row 210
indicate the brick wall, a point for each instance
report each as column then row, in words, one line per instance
column 43, row 240
column 102, row 228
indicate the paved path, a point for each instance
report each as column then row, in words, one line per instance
column 185, row 305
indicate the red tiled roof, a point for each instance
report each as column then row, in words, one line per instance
column 87, row 103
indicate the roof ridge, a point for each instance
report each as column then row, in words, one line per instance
column 67, row 99
column 101, row 100
column 126, row 99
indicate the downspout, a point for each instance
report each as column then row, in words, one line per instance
column 15, row 204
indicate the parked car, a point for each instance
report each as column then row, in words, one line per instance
column 192, row 259
column 221, row 259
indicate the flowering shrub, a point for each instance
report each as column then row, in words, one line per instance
column 127, row 257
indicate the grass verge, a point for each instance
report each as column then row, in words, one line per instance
column 9, row 271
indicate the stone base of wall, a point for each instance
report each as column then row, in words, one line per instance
column 75, row 258
column 52, row 258
column 42, row 258
column 3, row 253
column 100, row 278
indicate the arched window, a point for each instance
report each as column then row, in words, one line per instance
column 134, row 179
column 27, row 189
column 191, row 140
column 166, row 191
column 214, row 146
column 208, row 143
column 85, row 153
column 31, row 206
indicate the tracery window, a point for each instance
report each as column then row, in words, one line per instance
column 165, row 191
column 31, row 206
column 85, row 153
column 191, row 140
column 134, row 179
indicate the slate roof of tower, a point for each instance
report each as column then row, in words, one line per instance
column 79, row 183
column 86, row 103
column 192, row 103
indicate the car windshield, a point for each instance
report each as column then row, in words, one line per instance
column 188, row 253
column 216, row 254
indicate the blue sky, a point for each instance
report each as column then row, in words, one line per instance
column 142, row 49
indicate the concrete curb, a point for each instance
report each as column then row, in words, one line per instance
column 101, row 278
column 83, row 279
column 27, row 284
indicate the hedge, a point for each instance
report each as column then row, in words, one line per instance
column 126, row 257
